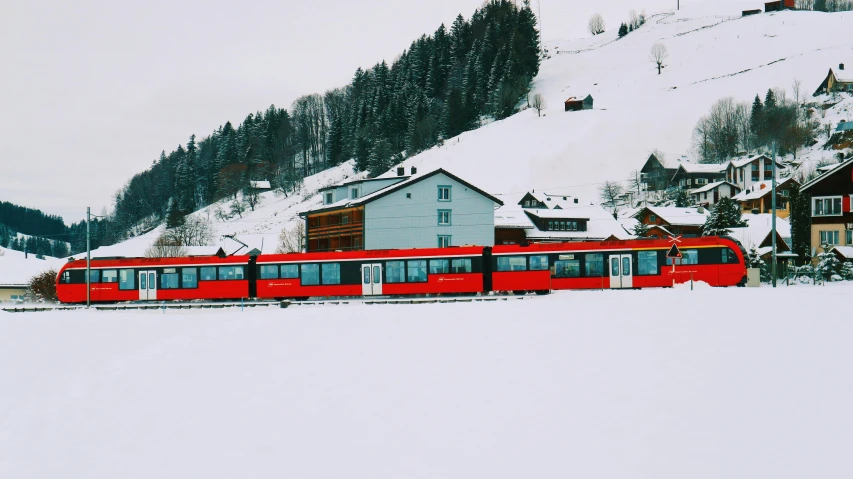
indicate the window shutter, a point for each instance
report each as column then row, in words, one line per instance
column 845, row 204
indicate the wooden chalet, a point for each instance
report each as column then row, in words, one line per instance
column 672, row 220
column 656, row 174
column 836, row 82
column 696, row 175
column 831, row 196
column 577, row 103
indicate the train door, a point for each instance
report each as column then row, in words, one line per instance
column 371, row 279
column 147, row 285
column 621, row 275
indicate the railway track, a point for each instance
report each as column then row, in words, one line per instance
column 153, row 306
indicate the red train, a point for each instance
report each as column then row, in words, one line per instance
column 718, row 261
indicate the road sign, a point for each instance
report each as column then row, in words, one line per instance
column 673, row 252
column 674, row 239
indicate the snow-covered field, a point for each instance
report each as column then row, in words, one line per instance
column 711, row 383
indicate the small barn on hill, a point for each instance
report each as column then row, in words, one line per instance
column 841, row 81
column 576, row 103
column 780, row 5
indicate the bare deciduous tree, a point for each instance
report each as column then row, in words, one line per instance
column 195, row 231
column 596, row 24
column 609, row 192
column 658, row 55
column 539, row 103
column 291, row 239
column 165, row 247
column 42, row 287
column 252, row 197
column 635, row 182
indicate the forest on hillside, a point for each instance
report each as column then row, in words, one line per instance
column 442, row 85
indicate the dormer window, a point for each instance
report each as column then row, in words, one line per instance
column 353, row 193
column 329, row 198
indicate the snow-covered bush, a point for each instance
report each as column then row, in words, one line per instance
column 847, row 270
column 828, row 265
column 755, row 261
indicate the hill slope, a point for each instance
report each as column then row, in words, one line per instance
column 713, row 53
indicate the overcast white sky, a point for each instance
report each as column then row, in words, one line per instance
column 92, row 91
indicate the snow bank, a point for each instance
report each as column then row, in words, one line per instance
column 707, row 384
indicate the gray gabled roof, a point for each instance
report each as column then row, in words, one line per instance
column 826, row 175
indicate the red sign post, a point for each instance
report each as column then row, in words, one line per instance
column 674, row 254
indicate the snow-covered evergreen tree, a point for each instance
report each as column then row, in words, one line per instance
column 640, row 230
column 847, row 270
column 828, row 265
column 755, row 261
column 725, row 215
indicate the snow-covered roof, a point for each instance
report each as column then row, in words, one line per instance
column 509, row 217
column 702, row 167
column 351, row 202
column 757, row 190
column 260, row 185
column 845, row 251
column 825, row 168
column 738, row 162
column 711, row 186
column 581, row 213
column 596, row 229
column 820, row 178
column 679, row 216
column 758, row 228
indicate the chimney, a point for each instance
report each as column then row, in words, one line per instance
column 841, row 66
column 762, row 186
column 414, row 170
column 576, row 201
column 401, row 171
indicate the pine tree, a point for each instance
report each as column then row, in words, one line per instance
column 623, row 30
column 640, row 230
column 682, row 199
column 756, row 119
column 725, row 215
column 800, row 219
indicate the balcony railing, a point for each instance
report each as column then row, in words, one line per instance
column 335, row 230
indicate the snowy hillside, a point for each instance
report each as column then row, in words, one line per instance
column 713, row 53
column 16, row 268
column 591, row 384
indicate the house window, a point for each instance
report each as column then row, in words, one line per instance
column 550, row 226
column 785, row 193
column 329, row 197
column 829, row 238
column 353, row 193
column 443, row 193
column 443, row 241
column 408, row 196
column 444, row 217
column 830, row 206
column 653, row 219
column 755, row 171
column 344, row 220
column 849, row 238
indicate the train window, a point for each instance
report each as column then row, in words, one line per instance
column 439, row 266
column 729, row 256
column 331, row 273
column 417, row 271
column 289, row 271
column 310, row 274
column 109, row 276
column 395, row 272
column 126, row 279
column 512, row 263
column 688, row 256
column 189, row 278
column 367, row 275
column 539, row 263
column 460, row 265
column 94, row 276
column 208, row 273
column 65, row 278
column 594, row 265
column 377, row 275
column 269, row 271
column 568, row 268
column 169, row 281
column 647, row 262
column 231, row 272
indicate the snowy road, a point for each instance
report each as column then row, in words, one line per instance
column 734, row 383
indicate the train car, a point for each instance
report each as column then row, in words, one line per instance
column 457, row 270
column 149, row 279
column 718, row 261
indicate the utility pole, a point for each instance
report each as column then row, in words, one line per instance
column 88, row 258
column 773, row 219
column 541, row 44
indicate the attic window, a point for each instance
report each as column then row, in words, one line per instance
column 408, row 195
column 329, row 197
